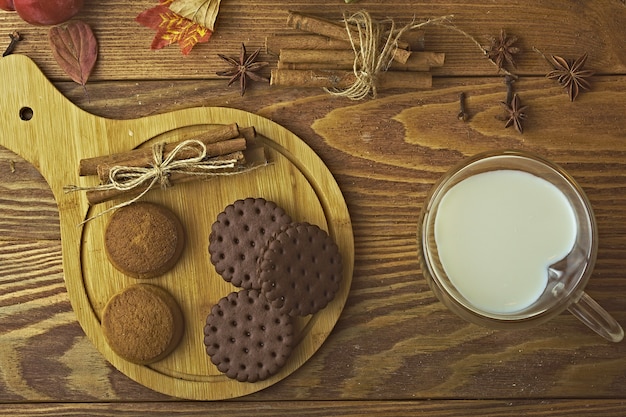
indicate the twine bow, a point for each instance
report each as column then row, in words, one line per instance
column 128, row 178
column 377, row 45
column 124, row 178
column 370, row 58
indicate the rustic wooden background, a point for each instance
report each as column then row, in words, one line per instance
column 396, row 350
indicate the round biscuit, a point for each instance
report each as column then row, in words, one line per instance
column 238, row 235
column 300, row 269
column 144, row 240
column 246, row 338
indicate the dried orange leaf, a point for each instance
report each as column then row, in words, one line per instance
column 75, row 48
column 203, row 12
column 172, row 28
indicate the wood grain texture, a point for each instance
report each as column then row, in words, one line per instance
column 395, row 345
column 552, row 26
column 432, row 408
column 392, row 322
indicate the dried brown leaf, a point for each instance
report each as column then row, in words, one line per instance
column 75, row 48
column 203, row 12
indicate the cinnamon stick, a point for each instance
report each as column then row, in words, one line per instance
column 344, row 79
column 145, row 160
column 274, row 43
column 217, row 133
column 101, row 196
column 415, row 38
column 250, row 134
column 332, row 30
column 345, row 56
column 344, row 59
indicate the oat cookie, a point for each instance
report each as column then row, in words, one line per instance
column 143, row 323
column 144, row 240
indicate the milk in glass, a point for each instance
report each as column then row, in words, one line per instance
column 497, row 234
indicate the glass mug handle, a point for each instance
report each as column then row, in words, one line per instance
column 587, row 310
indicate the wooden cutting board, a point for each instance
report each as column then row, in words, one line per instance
column 42, row 126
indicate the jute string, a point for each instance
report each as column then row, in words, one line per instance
column 374, row 51
column 370, row 57
column 127, row 178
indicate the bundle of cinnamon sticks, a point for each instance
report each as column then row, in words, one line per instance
column 321, row 54
column 220, row 143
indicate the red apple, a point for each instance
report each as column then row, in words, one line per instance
column 7, row 5
column 47, row 12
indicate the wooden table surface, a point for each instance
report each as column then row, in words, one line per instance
column 396, row 350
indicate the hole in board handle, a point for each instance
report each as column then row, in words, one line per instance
column 26, row 113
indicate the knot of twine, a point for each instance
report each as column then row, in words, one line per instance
column 127, row 178
column 124, row 178
column 372, row 53
column 375, row 50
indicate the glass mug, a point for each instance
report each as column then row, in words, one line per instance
column 508, row 240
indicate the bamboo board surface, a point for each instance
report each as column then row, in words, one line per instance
column 44, row 128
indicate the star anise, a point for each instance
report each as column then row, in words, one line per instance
column 515, row 113
column 502, row 50
column 243, row 68
column 571, row 75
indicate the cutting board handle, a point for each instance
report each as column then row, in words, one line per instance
column 46, row 129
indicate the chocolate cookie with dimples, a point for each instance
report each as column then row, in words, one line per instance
column 246, row 338
column 300, row 269
column 239, row 234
